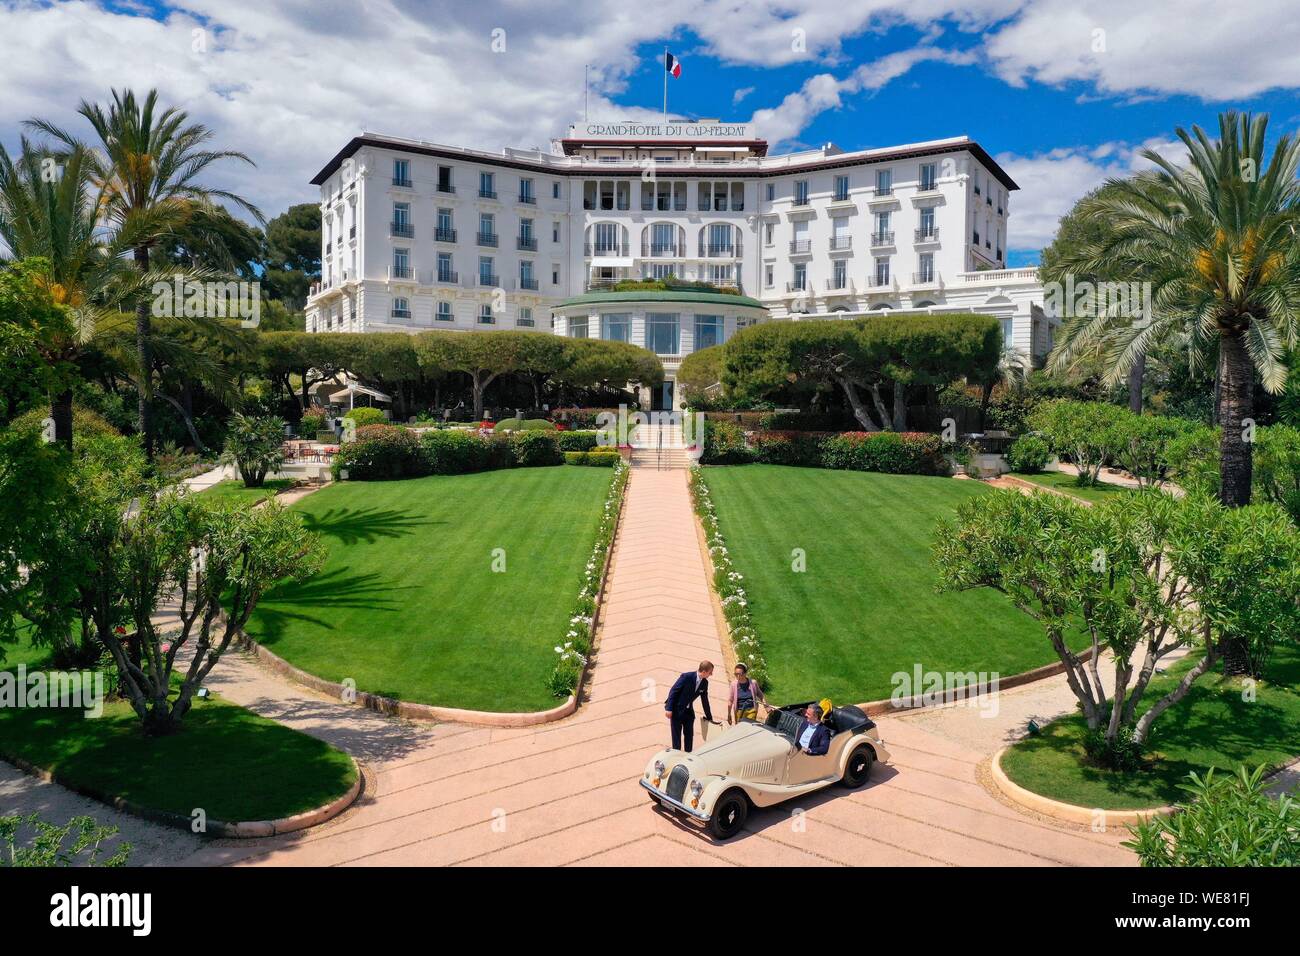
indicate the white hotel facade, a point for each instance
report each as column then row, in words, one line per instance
column 420, row 236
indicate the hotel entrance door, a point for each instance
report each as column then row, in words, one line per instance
column 661, row 398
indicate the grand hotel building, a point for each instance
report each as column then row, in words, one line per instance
column 421, row 236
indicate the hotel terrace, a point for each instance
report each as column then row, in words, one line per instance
column 421, row 236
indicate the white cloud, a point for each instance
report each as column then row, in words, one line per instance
column 740, row 94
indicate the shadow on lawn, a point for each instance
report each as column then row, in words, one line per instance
column 362, row 525
column 313, row 601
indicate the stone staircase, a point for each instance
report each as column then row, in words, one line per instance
column 648, row 451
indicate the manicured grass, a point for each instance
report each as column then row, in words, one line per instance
column 227, row 761
column 866, row 607
column 408, row 604
column 1211, row 727
column 1060, row 481
column 233, row 491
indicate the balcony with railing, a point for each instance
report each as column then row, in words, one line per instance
column 487, row 238
column 720, row 250
column 488, row 280
column 877, row 280
column 658, row 250
column 801, row 200
column 619, row 249
column 841, row 243
column 926, row 277
column 401, row 313
column 528, row 199
column 447, row 277
column 526, row 243
column 402, row 181
column 444, row 235
column 487, row 194
column 399, row 272
column 445, row 187
column 800, row 247
column 923, row 235
column 797, row 285
column 881, row 240
column 529, row 283
column 839, row 284
column 405, row 230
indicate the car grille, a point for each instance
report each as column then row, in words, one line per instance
column 677, row 782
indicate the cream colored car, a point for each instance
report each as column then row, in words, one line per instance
column 755, row 764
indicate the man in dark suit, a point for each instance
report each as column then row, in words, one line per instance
column 813, row 737
column 679, row 708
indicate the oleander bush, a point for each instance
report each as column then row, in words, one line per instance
column 312, row 423
column 454, row 452
column 788, row 448
column 1028, row 455
column 724, row 444
column 534, row 449
column 366, row 416
column 893, row 453
column 380, row 453
column 577, row 440
column 597, row 458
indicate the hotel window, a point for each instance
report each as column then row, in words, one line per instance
column 402, row 219
column 555, row 232
column 444, row 180
column 663, row 239
column 555, row 190
column 720, row 242
column 708, row 331
column 769, row 233
column 769, row 276
column 526, row 240
column 841, row 188
column 704, row 196
column 927, row 222
column 801, row 242
column 616, row 327
column 445, row 273
column 927, row 177
column 444, row 312
column 578, row 327
column 840, row 237
column 925, row 271
column 1006, row 332
column 401, row 263
column 487, row 187
column 485, row 316
column 800, row 276
column 525, row 317
column 839, row 274
column 526, row 191
column 882, row 271
column 801, row 192
column 719, row 274
column 401, row 308
column 661, row 270
column 486, row 272
column 555, row 275
column 487, row 229
column 446, row 231
column 526, row 280
column 770, row 192
column 661, row 330
column 607, row 234
column 882, row 235
column 401, row 172
column 884, row 182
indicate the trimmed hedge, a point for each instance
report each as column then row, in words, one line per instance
column 454, row 452
column 523, row 425
column 379, row 453
column 577, row 440
column 599, row 458
column 896, row 453
column 366, row 416
column 534, row 449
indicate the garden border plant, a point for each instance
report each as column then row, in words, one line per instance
column 727, row 582
column 575, row 651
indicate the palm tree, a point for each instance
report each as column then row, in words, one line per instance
column 1216, row 240
column 48, row 207
column 148, row 165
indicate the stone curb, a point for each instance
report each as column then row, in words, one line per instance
column 413, row 711
column 247, row 829
column 1068, row 812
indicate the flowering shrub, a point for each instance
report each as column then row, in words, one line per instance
column 894, row 453
column 724, row 444
column 729, row 583
column 366, row 416
column 573, row 650
column 1028, row 455
column 788, row 448
column 378, row 453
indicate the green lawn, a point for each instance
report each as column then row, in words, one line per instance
column 1211, row 727
column 866, row 607
column 408, row 604
column 233, row 490
column 226, row 760
column 1060, row 481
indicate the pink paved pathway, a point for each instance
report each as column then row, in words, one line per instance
column 567, row 792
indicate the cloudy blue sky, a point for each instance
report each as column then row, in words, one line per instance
column 1064, row 94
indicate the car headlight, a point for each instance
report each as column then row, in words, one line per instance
column 697, row 788
column 659, row 768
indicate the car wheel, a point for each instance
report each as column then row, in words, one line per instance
column 729, row 815
column 858, row 768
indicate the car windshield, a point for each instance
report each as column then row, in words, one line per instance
column 785, row 723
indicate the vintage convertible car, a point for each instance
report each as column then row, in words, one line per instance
column 758, row 764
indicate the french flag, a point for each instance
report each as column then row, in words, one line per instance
column 672, row 64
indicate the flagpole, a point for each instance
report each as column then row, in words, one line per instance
column 665, row 84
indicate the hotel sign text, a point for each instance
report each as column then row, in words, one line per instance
column 640, row 131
